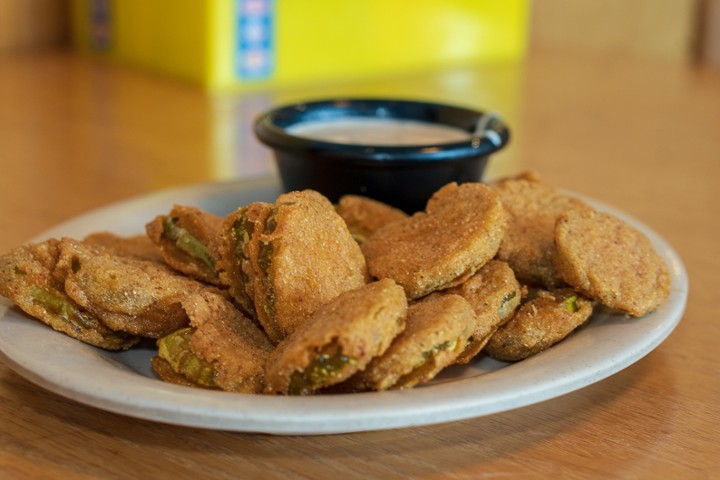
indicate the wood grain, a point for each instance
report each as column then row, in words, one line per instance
column 640, row 135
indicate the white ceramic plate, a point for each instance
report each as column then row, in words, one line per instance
column 124, row 383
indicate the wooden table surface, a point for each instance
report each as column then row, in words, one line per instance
column 640, row 135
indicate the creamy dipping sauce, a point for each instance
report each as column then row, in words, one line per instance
column 378, row 131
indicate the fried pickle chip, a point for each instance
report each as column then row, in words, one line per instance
column 186, row 237
column 539, row 323
column 610, row 261
column 364, row 215
column 128, row 295
column 26, row 278
column 460, row 230
column 494, row 293
column 238, row 248
column 135, row 246
column 303, row 257
column 436, row 332
column 235, row 346
column 533, row 208
column 338, row 340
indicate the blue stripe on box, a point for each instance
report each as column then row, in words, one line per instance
column 254, row 42
column 100, row 30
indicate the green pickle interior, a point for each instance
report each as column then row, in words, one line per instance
column 571, row 304
column 242, row 230
column 175, row 349
column 59, row 304
column 328, row 363
column 187, row 242
column 265, row 256
column 427, row 363
column 505, row 304
column 265, row 261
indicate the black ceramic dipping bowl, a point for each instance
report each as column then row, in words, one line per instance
column 404, row 176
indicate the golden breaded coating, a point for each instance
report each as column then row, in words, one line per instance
column 436, row 332
column 235, row 346
column 364, row 215
column 539, row 323
column 338, row 340
column 305, row 257
column 494, row 293
column 221, row 349
column 133, row 296
column 238, row 248
column 135, row 246
column 610, row 261
column 458, row 233
column 533, row 208
column 186, row 237
column 26, row 279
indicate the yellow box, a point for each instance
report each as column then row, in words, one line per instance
column 230, row 44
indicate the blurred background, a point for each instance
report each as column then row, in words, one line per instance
column 676, row 29
column 246, row 55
